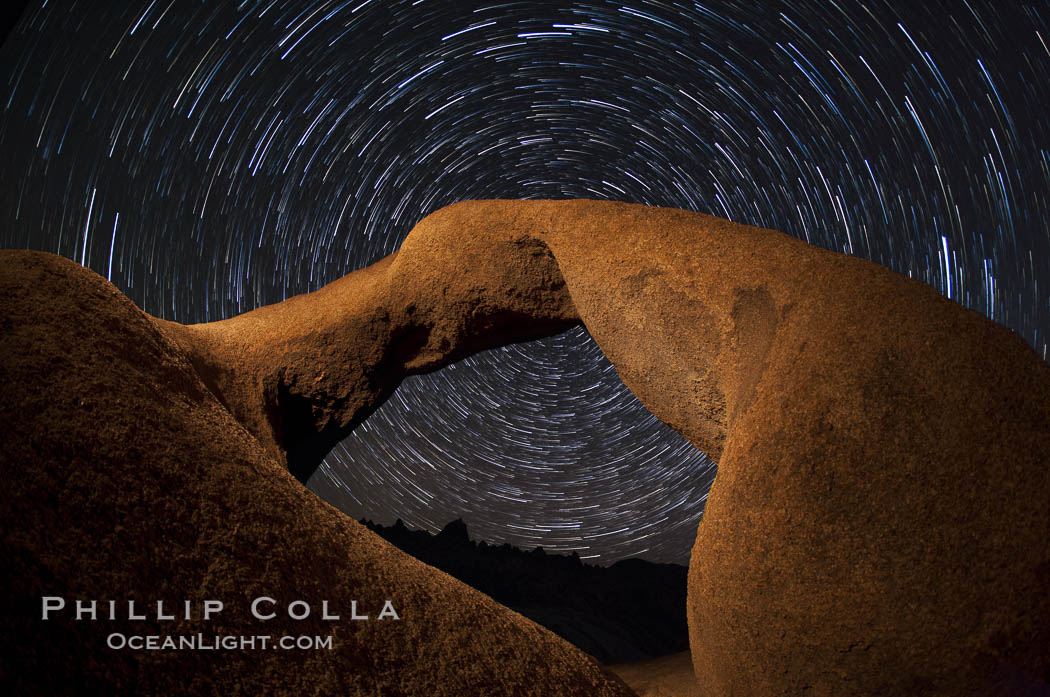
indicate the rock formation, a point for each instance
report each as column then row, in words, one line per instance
column 878, row 525
column 124, row 478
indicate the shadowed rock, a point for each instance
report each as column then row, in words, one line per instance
column 878, row 524
column 124, row 478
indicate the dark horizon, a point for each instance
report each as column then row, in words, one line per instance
column 398, row 523
column 632, row 610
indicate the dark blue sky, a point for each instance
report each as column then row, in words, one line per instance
column 212, row 157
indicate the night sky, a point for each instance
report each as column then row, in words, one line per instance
column 209, row 158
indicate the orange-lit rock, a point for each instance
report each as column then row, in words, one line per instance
column 878, row 525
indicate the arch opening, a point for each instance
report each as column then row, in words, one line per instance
column 535, row 444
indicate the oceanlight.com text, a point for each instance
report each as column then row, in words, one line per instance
column 216, row 642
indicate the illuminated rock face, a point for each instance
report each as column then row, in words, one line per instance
column 125, row 478
column 879, row 522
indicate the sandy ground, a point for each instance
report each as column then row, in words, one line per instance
column 669, row 676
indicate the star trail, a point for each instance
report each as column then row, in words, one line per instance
column 212, row 157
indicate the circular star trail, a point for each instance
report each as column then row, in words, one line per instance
column 209, row 158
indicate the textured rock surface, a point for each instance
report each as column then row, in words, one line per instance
column 124, row 478
column 879, row 522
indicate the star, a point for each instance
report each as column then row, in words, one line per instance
column 212, row 158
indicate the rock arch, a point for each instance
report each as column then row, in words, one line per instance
column 879, row 521
column 883, row 451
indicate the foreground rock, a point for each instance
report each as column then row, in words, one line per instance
column 124, row 478
column 878, row 524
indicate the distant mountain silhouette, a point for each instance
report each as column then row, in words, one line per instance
column 632, row 610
